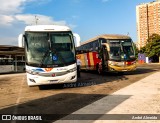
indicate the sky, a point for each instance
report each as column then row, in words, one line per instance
column 88, row 18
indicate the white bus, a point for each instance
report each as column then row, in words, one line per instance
column 50, row 54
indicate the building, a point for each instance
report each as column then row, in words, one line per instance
column 148, row 21
column 11, row 59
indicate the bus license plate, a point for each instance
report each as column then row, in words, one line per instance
column 124, row 70
column 51, row 81
column 121, row 64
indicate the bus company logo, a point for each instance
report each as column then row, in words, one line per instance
column 34, row 70
column 38, row 70
column 60, row 69
column 48, row 69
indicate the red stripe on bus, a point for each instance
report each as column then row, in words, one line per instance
column 89, row 64
column 94, row 59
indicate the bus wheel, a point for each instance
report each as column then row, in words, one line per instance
column 99, row 69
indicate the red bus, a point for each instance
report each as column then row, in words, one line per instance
column 103, row 53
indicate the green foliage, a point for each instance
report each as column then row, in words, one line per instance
column 153, row 46
column 142, row 50
column 136, row 50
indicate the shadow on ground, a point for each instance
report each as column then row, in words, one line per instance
column 89, row 78
column 57, row 106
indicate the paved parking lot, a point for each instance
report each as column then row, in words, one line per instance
column 17, row 98
column 138, row 101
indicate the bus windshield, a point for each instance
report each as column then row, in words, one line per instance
column 128, row 50
column 121, row 50
column 47, row 49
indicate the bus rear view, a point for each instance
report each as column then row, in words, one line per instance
column 50, row 55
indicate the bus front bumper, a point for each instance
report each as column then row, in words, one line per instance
column 34, row 80
column 122, row 68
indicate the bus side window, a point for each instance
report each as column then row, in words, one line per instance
column 100, row 52
column 97, row 49
column 91, row 49
column 94, row 46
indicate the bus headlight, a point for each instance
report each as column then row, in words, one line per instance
column 72, row 70
column 131, row 63
column 112, row 63
column 32, row 72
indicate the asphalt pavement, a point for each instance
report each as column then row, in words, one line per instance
column 136, row 103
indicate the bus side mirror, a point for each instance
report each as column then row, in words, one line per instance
column 77, row 39
column 21, row 40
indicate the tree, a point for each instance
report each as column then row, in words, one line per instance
column 143, row 49
column 152, row 48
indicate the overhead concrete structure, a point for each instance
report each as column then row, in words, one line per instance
column 11, row 50
column 16, row 56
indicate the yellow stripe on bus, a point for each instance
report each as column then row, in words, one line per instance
column 91, row 60
column 82, row 60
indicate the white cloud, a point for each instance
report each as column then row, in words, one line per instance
column 16, row 6
column 11, row 12
column 13, row 20
column 11, row 6
column 6, row 20
column 29, row 19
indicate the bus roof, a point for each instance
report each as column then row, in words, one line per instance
column 49, row 28
column 107, row 36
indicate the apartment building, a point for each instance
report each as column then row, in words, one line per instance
column 148, row 21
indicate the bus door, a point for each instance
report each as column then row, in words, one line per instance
column 105, row 56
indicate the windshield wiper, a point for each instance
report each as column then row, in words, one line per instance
column 52, row 51
column 45, row 55
column 48, row 52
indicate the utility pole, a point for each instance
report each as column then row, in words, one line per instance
column 36, row 20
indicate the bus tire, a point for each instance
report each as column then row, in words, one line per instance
column 78, row 71
column 120, row 73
